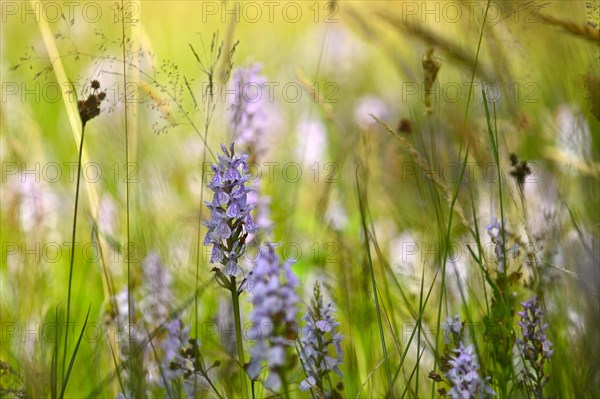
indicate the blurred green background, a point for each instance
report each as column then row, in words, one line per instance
column 538, row 61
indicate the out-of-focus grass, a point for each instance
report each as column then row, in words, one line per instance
column 541, row 67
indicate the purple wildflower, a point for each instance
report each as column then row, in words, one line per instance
column 494, row 230
column 452, row 329
column 262, row 204
column 176, row 338
column 320, row 336
column 157, row 286
column 274, row 311
column 249, row 122
column 248, row 118
column 230, row 220
column 535, row 346
column 131, row 340
column 464, row 375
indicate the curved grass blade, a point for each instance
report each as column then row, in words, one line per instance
column 72, row 361
column 114, row 358
column 374, row 283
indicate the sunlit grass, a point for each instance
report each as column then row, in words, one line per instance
column 409, row 247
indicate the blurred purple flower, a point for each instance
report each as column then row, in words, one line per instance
column 367, row 106
column 464, row 375
column 248, row 117
column 311, row 145
column 452, row 329
column 177, row 336
column 274, row 311
column 157, row 286
column 251, row 116
column 262, row 205
column 534, row 345
column 494, row 229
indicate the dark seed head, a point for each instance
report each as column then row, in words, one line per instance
column 95, row 84
column 405, row 126
column 435, row 376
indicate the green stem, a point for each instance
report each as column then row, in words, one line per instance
column 286, row 389
column 73, row 248
column 128, row 248
column 238, row 331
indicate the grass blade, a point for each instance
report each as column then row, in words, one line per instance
column 72, row 361
column 374, row 283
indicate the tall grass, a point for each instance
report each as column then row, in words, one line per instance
column 413, row 209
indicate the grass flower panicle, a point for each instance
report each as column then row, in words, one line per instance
column 274, row 312
column 464, row 375
column 230, row 220
column 319, row 336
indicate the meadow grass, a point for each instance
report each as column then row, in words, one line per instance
column 422, row 230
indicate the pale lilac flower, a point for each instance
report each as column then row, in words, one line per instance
column 126, row 331
column 321, row 350
column 573, row 138
column 336, row 215
column 255, row 119
column 156, row 281
column 177, row 337
column 452, row 328
column 311, row 145
column 107, row 216
column 189, row 363
column 494, row 230
column 274, row 311
column 129, row 336
column 464, row 375
column 405, row 257
column 248, row 116
column 250, row 119
column 344, row 51
column 367, row 106
column 38, row 204
column 535, row 346
column 155, row 307
column 262, row 205
column 230, row 220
